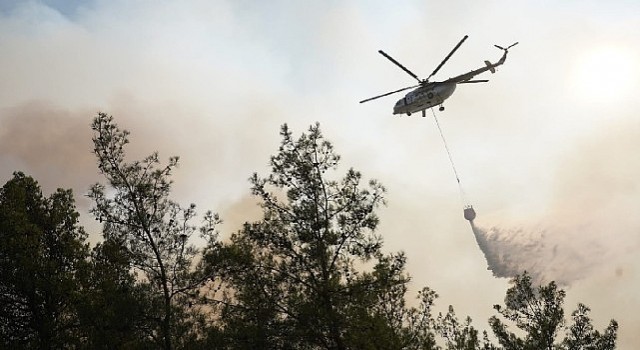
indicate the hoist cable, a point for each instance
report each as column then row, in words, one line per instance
column 463, row 196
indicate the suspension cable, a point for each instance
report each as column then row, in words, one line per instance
column 463, row 196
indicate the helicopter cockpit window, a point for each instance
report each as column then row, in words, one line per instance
column 400, row 103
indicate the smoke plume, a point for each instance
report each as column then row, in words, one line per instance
column 49, row 143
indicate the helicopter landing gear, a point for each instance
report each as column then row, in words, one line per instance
column 409, row 114
column 441, row 108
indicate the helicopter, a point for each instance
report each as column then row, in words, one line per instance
column 430, row 94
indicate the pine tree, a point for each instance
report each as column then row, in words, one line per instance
column 43, row 255
column 311, row 273
column 137, row 212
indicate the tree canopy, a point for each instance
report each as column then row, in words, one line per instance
column 298, row 275
column 42, row 255
column 539, row 313
column 153, row 230
column 311, row 273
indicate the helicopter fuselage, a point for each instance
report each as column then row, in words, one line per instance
column 425, row 96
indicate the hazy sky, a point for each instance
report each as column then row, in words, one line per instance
column 546, row 151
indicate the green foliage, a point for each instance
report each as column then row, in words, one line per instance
column 582, row 336
column 42, row 254
column 311, row 274
column 114, row 312
column 154, row 230
column 298, row 275
column 539, row 313
column 461, row 335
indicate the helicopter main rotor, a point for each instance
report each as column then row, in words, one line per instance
column 390, row 93
column 400, row 65
column 423, row 81
column 446, row 58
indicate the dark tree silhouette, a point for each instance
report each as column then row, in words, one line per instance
column 137, row 212
column 539, row 313
column 299, row 275
column 42, row 256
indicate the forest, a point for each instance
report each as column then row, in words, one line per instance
column 311, row 273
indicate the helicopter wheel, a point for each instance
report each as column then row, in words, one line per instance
column 409, row 114
column 441, row 108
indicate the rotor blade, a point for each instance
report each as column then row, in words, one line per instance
column 388, row 93
column 447, row 58
column 507, row 48
column 473, row 81
column 398, row 64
